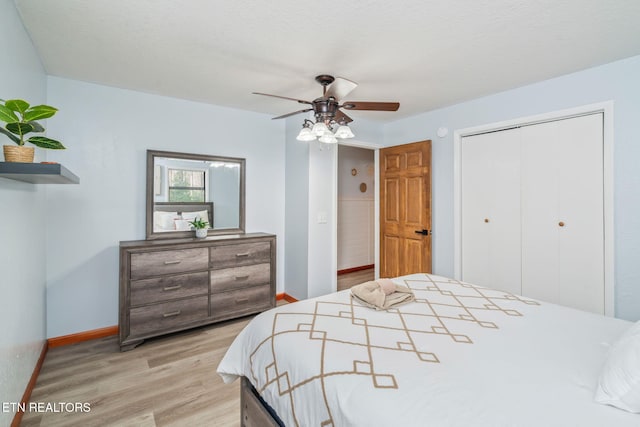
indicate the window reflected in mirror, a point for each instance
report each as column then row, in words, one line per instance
column 187, row 185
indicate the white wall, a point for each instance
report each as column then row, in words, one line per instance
column 22, row 226
column 224, row 184
column 107, row 132
column 355, row 208
column 616, row 81
column 356, row 233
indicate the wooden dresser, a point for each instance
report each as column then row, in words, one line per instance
column 175, row 284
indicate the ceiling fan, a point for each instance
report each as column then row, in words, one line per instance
column 328, row 110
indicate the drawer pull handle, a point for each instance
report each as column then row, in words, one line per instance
column 246, row 254
column 242, row 300
column 242, row 277
column 173, row 313
column 172, row 288
column 172, row 262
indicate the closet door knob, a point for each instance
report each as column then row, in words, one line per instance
column 486, row 220
column 561, row 223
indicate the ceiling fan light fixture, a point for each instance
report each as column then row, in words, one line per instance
column 344, row 132
column 327, row 110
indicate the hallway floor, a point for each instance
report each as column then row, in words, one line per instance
column 346, row 281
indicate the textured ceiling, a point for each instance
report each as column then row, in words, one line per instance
column 426, row 54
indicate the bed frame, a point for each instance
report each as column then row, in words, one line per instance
column 255, row 412
column 185, row 207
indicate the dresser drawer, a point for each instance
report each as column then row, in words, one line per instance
column 240, row 302
column 149, row 264
column 241, row 254
column 167, row 288
column 169, row 315
column 240, row 277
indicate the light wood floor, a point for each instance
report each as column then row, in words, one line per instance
column 345, row 281
column 167, row 381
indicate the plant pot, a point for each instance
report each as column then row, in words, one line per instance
column 18, row 153
column 201, row 233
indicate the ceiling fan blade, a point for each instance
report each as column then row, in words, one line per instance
column 282, row 97
column 292, row 114
column 373, row 106
column 340, row 88
column 342, row 117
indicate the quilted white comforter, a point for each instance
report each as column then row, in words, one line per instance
column 460, row 355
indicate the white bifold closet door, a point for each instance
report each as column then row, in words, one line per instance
column 491, row 210
column 563, row 212
column 533, row 212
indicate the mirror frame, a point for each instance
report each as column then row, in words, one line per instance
column 151, row 155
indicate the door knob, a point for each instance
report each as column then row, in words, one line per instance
column 561, row 223
column 486, row 220
column 423, row 232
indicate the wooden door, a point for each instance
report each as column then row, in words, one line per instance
column 405, row 209
column 490, row 213
column 563, row 205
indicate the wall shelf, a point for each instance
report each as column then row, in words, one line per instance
column 38, row 173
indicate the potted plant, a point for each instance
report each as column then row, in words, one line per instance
column 20, row 119
column 200, row 226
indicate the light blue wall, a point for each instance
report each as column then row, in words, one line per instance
column 107, row 132
column 323, row 195
column 618, row 81
column 296, row 211
column 22, row 226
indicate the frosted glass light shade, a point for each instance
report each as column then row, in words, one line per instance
column 328, row 138
column 319, row 129
column 344, row 132
column 306, row 135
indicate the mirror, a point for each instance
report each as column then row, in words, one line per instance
column 182, row 187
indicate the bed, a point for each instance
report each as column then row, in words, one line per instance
column 175, row 216
column 459, row 355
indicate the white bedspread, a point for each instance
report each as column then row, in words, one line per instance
column 460, row 355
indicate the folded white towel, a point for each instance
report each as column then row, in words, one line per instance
column 382, row 294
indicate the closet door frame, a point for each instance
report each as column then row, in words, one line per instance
column 606, row 108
